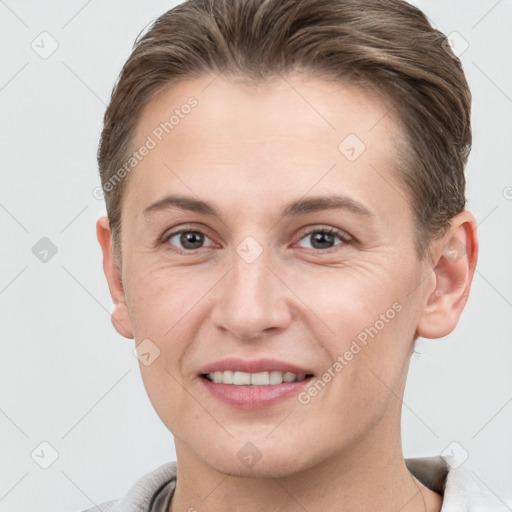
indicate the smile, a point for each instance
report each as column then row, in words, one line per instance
column 238, row 378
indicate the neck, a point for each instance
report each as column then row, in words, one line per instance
column 369, row 476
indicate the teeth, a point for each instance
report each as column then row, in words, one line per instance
column 255, row 379
column 227, row 377
column 289, row 377
column 260, row 379
column 275, row 377
column 239, row 378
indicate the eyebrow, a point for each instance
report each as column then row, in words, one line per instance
column 293, row 209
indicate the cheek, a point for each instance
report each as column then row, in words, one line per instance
column 163, row 308
column 349, row 298
column 162, row 298
column 167, row 306
column 364, row 314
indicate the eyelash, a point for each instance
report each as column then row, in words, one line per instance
column 346, row 239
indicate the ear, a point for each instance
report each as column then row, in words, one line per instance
column 120, row 317
column 453, row 267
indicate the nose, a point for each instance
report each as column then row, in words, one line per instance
column 252, row 300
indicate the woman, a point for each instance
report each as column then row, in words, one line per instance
column 284, row 185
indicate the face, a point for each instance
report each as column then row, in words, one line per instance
column 251, row 270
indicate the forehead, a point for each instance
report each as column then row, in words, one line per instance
column 296, row 107
column 276, row 139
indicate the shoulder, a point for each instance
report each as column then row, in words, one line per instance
column 140, row 496
column 462, row 489
column 466, row 491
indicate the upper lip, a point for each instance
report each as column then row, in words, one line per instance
column 236, row 364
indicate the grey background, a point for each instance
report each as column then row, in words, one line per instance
column 68, row 379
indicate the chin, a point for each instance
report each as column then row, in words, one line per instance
column 260, row 459
column 269, row 467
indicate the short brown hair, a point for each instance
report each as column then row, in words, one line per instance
column 385, row 44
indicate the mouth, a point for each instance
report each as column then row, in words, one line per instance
column 269, row 378
column 254, row 384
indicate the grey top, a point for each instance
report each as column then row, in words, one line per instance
column 154, row 491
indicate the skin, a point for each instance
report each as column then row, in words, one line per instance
column 249, row 151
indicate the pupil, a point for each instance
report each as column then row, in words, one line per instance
column 322, row 238
column 187, row 239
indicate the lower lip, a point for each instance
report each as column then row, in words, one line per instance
column 254, row 397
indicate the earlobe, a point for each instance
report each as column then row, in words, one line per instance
column 453, row 268
column 120, row 315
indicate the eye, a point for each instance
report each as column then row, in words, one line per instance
column 190, row 239
column 323, row 238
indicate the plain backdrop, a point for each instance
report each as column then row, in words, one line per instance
column 69, row 381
